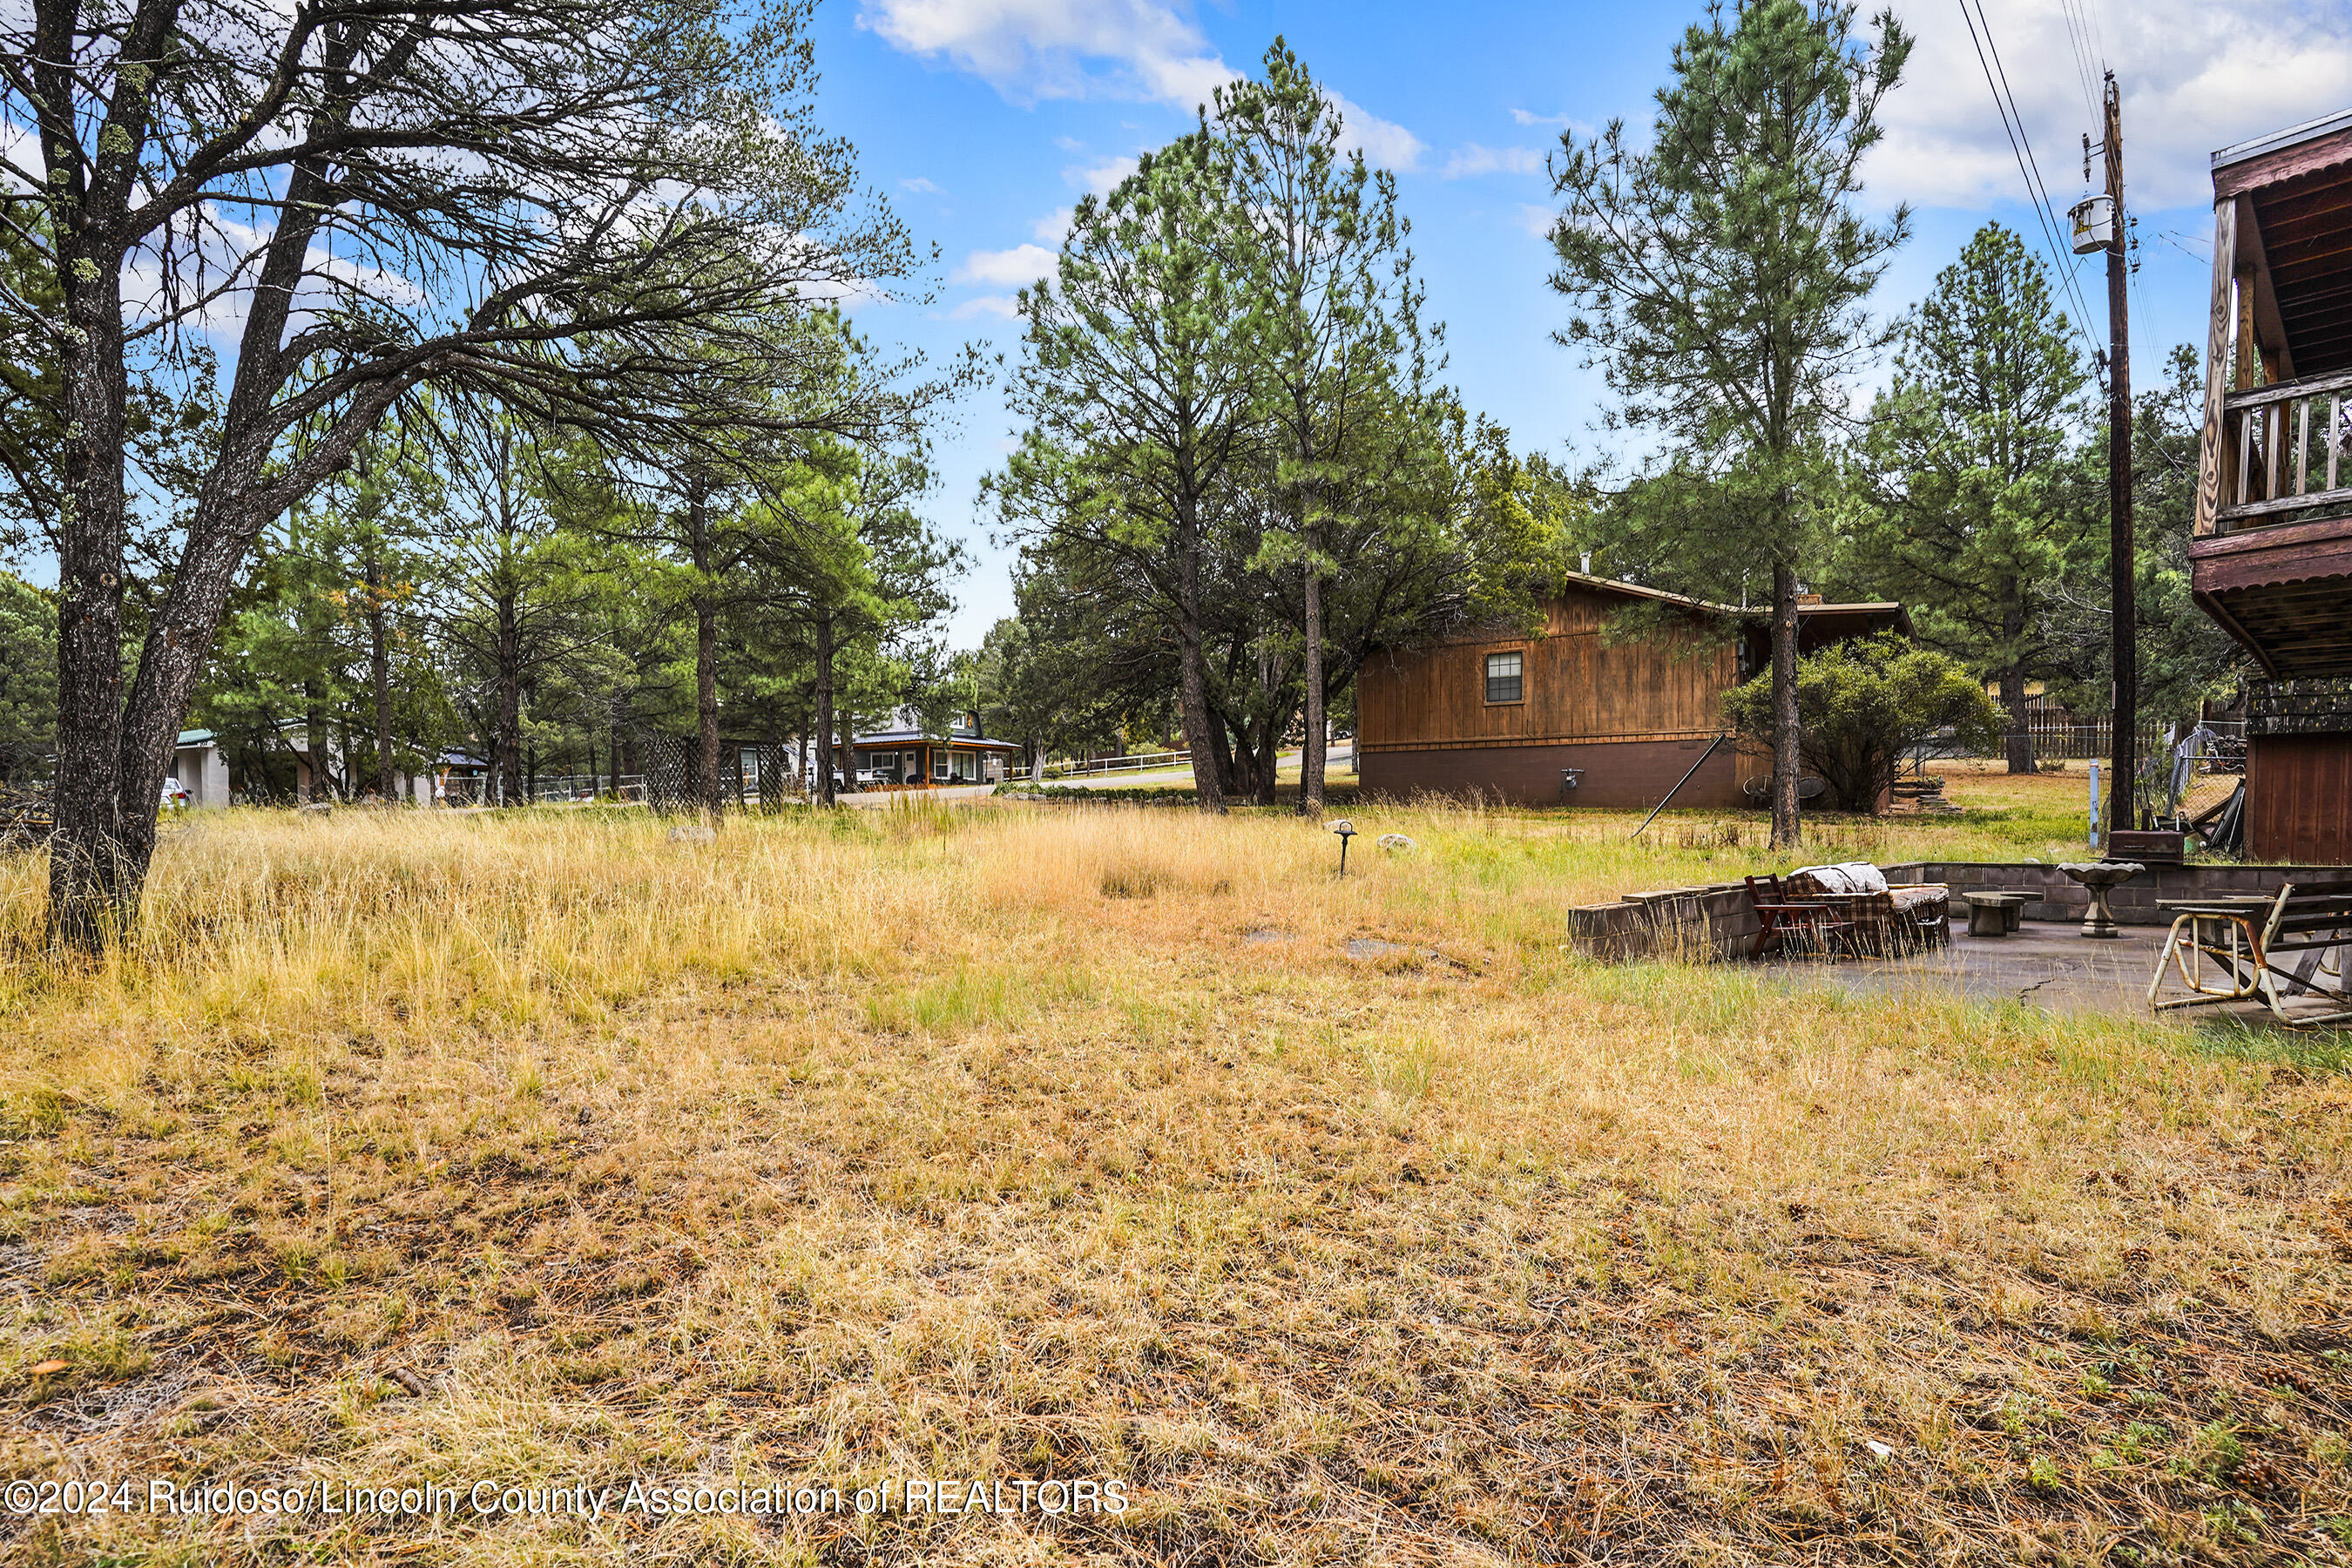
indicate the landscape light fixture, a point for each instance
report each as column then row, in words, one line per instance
column 1345, row 830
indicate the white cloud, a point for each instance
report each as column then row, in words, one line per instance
column 1034, row 50
column 922, row 185
column 1031, row 49
column 1003, row 305
column 1564, row 122
column 1102, row 178
column 1476, row 160
column 1383, row 142
column 2195, row 76
column 1536, row 220
column 1054, row 227
column 1005, row 268
column 1069, row 144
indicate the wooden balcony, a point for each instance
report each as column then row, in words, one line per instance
column 2271, row 552
column 2286, row 453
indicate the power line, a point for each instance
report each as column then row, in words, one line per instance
column 2036, row 182
column 2078, row 38
column 2098, row 35
column 2036, row 196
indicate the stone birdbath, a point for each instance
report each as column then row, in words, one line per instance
column 2100, row 877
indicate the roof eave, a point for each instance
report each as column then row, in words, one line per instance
column 2277, row 141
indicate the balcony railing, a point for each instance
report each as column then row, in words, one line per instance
column 2286, row 449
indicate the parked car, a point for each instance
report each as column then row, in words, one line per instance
column 175, row 795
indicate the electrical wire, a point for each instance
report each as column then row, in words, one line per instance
column 2078, row 40
column 2036, row 182
column 2036, row 196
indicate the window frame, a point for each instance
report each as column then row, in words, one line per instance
column 1487, row 676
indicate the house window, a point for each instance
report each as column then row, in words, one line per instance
column 1503, row 677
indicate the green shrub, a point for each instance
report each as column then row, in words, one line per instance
column 1862, row 704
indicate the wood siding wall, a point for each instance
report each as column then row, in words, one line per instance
column 2299, row 799
column 1575, row 688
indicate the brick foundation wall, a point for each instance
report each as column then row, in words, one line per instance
column 1626, row 773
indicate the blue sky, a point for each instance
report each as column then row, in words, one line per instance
column 982, row 121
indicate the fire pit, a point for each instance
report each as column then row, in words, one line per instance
column 2099, row 878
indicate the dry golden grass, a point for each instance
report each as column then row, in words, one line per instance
column 1066, row 1143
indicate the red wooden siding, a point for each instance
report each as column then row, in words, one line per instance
column 1576, row 688
column 2299, row 799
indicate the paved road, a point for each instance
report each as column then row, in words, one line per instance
column 879, row 800
column 1336, row 766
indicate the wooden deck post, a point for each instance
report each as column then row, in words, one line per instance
column 2212, row 453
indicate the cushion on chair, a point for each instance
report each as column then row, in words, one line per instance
column 1845, row 876
column 1924, row 900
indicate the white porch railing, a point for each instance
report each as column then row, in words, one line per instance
column 1141, row 762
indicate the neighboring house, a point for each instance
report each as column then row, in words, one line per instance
column 202, row 768
column 2271, row 548
column 902, row 756
column 1508, row 716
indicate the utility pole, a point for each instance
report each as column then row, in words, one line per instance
column 2125, row 617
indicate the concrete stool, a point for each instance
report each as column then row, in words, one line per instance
column 1995, row 914
column 2012, row 902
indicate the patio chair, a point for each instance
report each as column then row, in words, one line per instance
column 2263, row 948
column 1895, row 920
column 1881, row 920
column 1791, row 925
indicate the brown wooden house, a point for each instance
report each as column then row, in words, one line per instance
column 1514, row 717
column 2270, row 555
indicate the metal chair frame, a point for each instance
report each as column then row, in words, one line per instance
column 2243, row 939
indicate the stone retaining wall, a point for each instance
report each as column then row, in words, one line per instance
column 1717, row 921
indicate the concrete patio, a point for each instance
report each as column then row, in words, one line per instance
column 2048, row 963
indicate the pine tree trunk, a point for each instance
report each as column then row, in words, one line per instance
column 113, row 751
column 2012, row 690
column 380, row 673
column 509, row 747
column 706, row 649
column 1220, row 748
column 1310, row 757
column 1192, row 669
column 1787, row 831
column 706, row 706
column 314, row 740
column 92, row 893
column 825, row 752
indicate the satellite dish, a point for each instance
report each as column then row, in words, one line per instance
column 1808, row 788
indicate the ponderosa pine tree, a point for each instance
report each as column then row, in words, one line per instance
column 1718, row 279
column 1138, row 397
column 1331, row 325
column 1968, row 518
